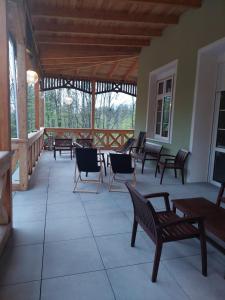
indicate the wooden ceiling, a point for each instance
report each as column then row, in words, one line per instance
column 99, row 39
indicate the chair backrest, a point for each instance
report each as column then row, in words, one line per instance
column 63, row 142
column 85, row 142
column 153, row 149
column 144, row 212
column 87, row 160
column 121, row 163
column 220, row 197
column 181, row 157
column 127, row 146
column 140, row 141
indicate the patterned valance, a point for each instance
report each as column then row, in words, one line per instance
column 51, row 83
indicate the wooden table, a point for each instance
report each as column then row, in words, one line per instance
column 214, row 215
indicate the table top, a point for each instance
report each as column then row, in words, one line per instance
column 214, row 215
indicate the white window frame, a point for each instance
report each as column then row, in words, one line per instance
column 160, row 74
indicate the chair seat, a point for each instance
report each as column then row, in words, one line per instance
column 170, row 165
column 63, row 148
column 127, row 171
column 178, row 231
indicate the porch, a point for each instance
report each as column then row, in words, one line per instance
column 77, row 246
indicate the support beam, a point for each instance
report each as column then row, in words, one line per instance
column 55, row 39
column 116, row 30
column 112, row 70
column 47, row 11
column 5, row 131
column 42, row 110
column 185, row 3
column 61, row 51
column 130, row 70
column 93, row 105
column 37, row 105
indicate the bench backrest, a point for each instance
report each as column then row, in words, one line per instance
column 144, row 213
column 181, row 157
column 153, row 149
column 63, row 142
column 220, row 197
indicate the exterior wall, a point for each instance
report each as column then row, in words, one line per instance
column 196, row 29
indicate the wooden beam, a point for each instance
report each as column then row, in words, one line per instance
column 42, row 110
column 37, row 105
column 93, row 105
column 93, row 40
column 5, row 131
column 90, row 59
column 60, row 51
column 115, row 30
column 186, row 3
column 47, row 11
column 130, row 70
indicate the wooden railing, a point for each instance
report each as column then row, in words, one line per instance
column 5, row 197
column 105, row 138
column 26, row 153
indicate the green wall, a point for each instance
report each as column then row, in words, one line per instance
column 196, row 29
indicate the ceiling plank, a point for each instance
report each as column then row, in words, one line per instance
column 133, row 30
column 185, row 3
column 60, row 51
column 112, row 70
column 87, row 40
column 41, row 11
column 130, row 70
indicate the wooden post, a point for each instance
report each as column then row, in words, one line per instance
column 5, row 128
column 93, row 105
column 22, row 97
column 42, row 110
column 37, row 105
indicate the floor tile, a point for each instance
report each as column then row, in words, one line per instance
column 67, row 229
column 116, row 250
column 134, row 283
column 21, row 264
column 187, row 272
column 100, row 207
column 29, row 213
column 71, row 257
column 71, row 209
column 62, row 197
column 110, row 223
column 92, row 285
column 26, row 291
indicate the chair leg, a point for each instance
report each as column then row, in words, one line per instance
column 158, row 252
column 162, row 175
column 157, row 169
column 103, row 160
column 203, row 254
column 134, row 232
column 54, row 154
column 182, row 174
column 175, row 173
column 143, row 165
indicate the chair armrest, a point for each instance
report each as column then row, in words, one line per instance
column 77, row 145
column 168, row 155
column 190, row 220
column 157, row 195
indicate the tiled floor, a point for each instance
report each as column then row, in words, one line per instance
column 77, row 246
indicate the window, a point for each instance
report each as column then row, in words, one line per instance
column 163, row 108
column 161, row 103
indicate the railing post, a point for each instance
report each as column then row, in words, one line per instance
column 22, row 97
column 5, row 130
column 42, row 110
column 37, row 105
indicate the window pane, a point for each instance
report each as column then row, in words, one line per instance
column 158, row 116
column 166, row 116
column 160, row 88
column 169, row 86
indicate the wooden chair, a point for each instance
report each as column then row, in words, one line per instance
column 63, row 144
column 120, row 164
column 220, row 197
column 151, row 151
column 87, row 162
column 164, row 226
column 173, row 162
column 139, row 143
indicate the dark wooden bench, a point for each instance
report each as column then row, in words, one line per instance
column 213, row 213
column 151, row 151
column 63, row 144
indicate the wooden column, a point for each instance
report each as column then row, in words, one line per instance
column 37, row 105
column 5, row 128
column 93, row 105
column 42, row 110
column 22, row 97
